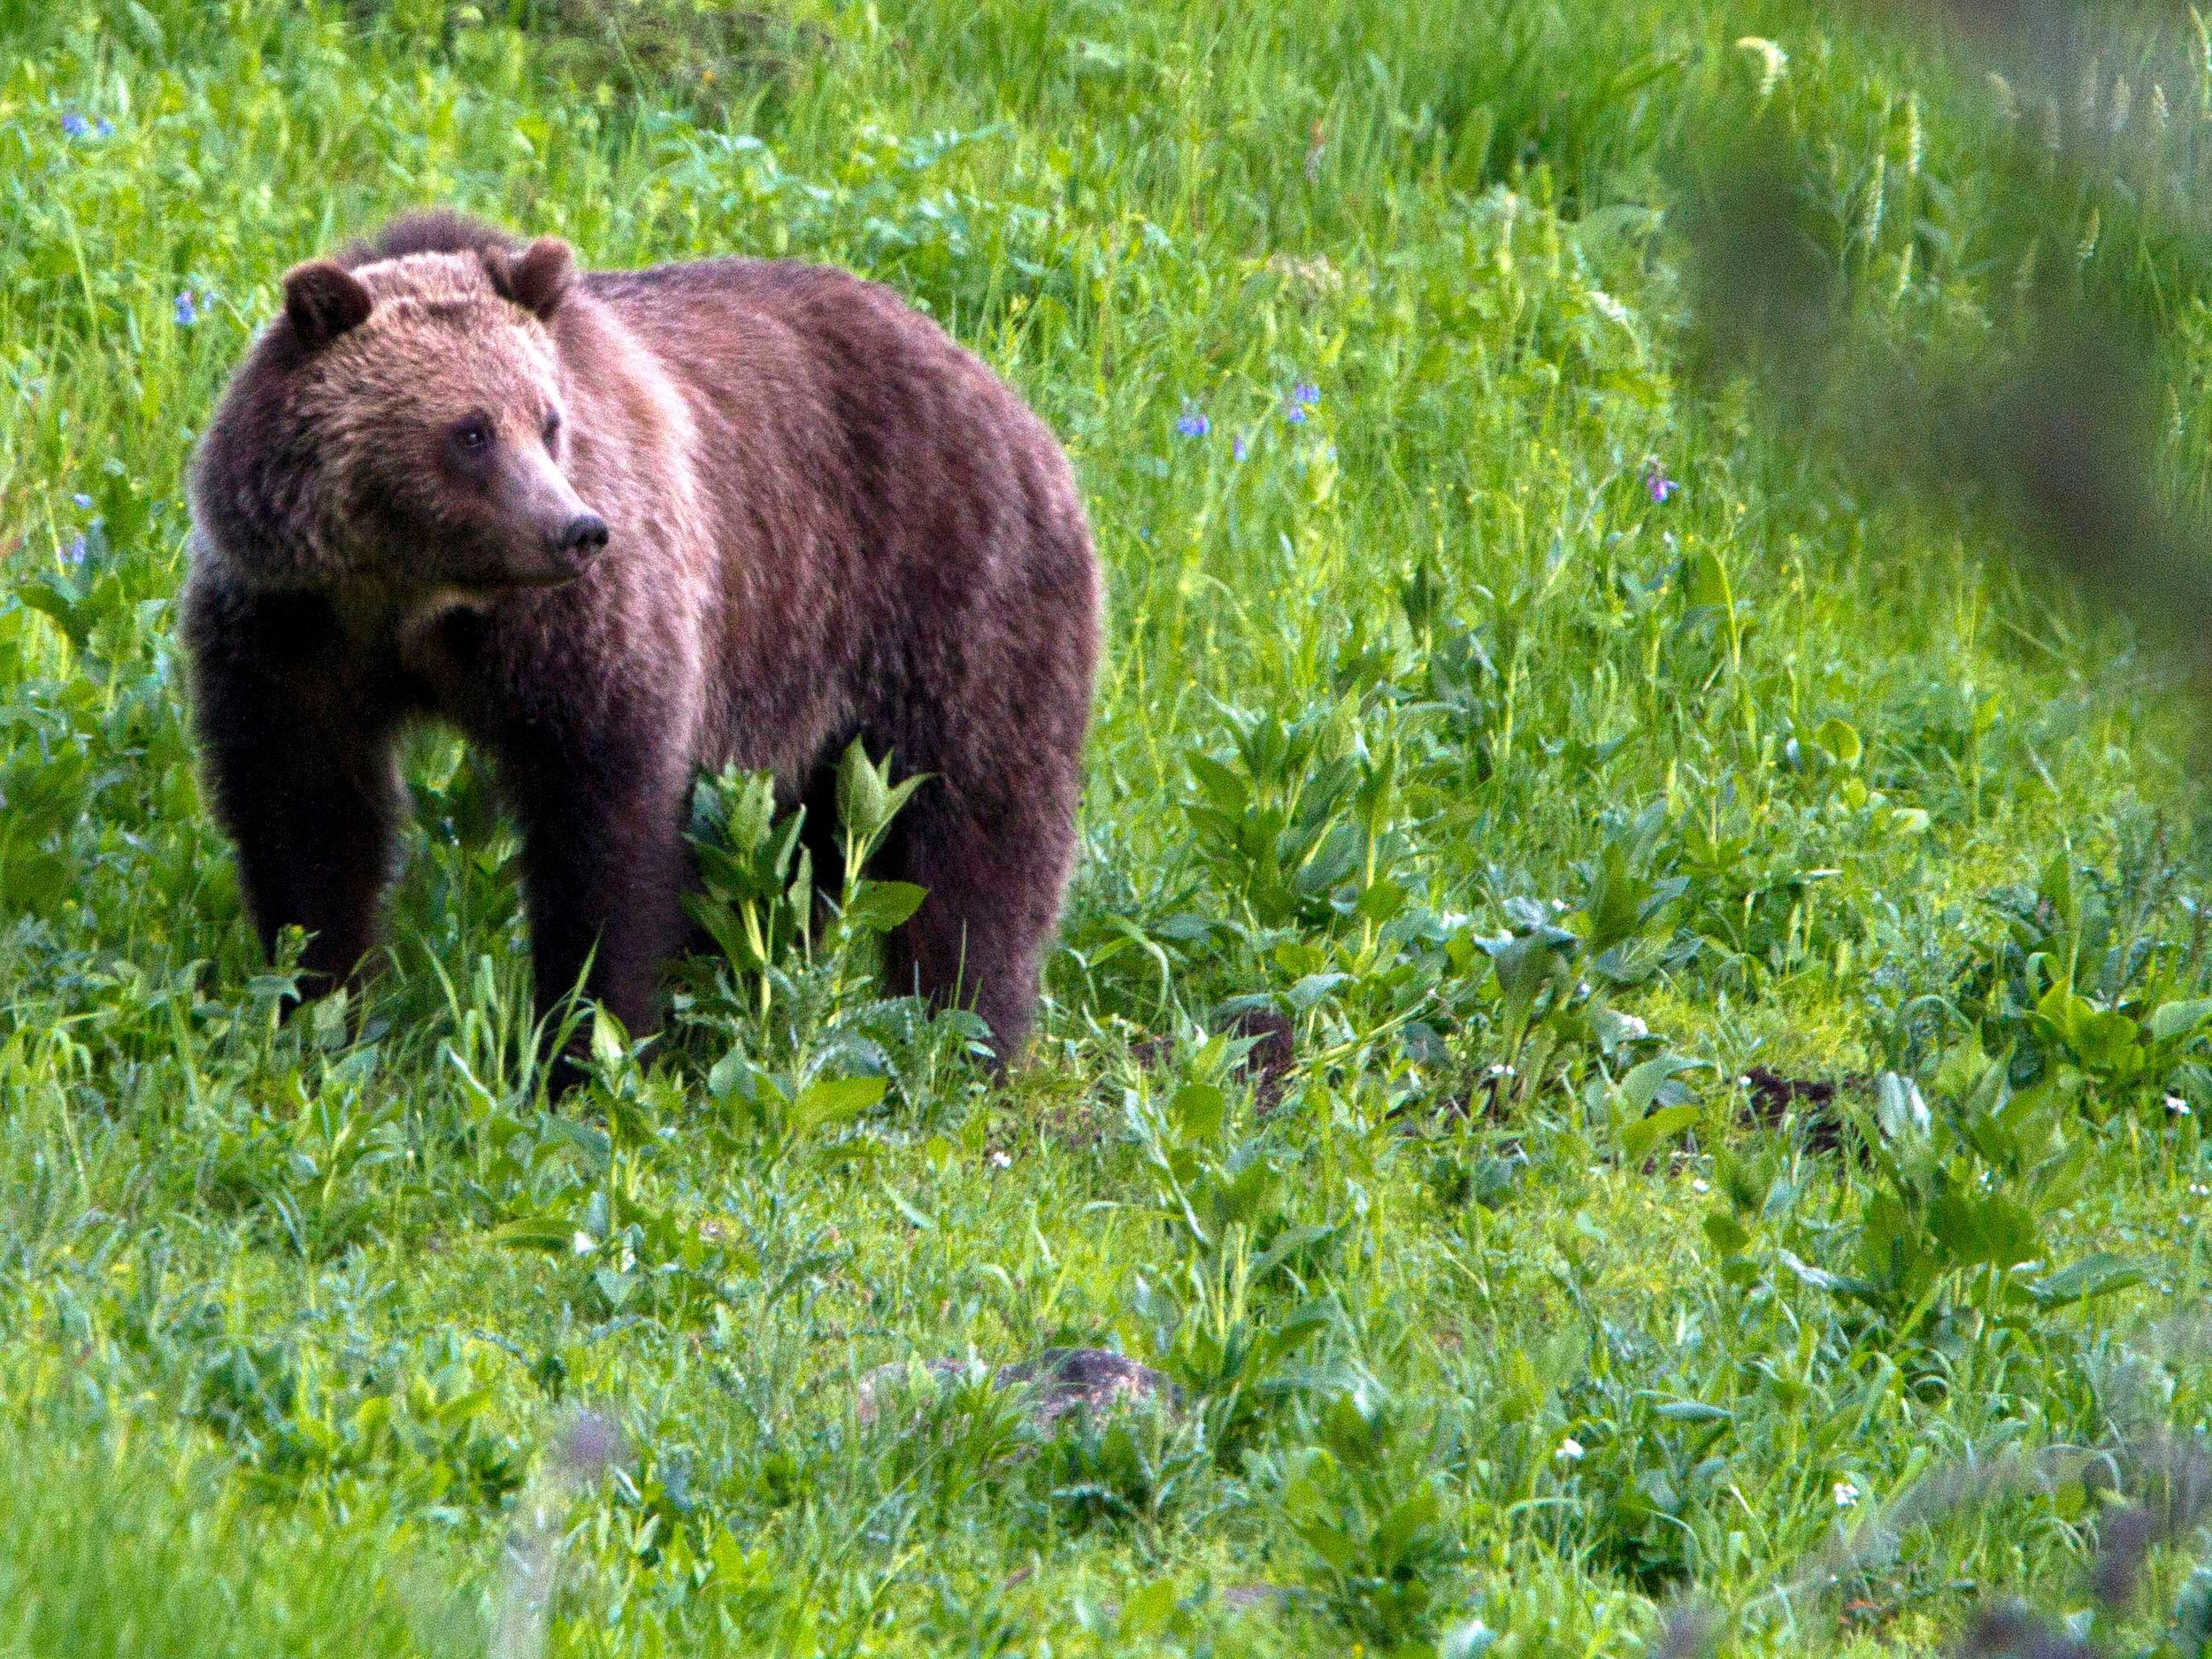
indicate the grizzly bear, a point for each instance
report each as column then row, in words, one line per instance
column 618, row 527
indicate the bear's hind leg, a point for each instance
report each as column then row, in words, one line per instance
column 994, row 873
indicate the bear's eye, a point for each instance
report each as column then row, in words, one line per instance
column 552, row 430
column 473, row 435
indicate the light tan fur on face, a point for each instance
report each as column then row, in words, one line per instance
column 439, row 344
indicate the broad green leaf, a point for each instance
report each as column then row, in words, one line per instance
column 2085, row 1280
column 2171, row 1020
column 1841, row 739
column 1147, row 1612
column 1197, row 1110
column 863, row 803
column 1725, row 1233
column 1640, row 1137
column 1900, row 1112
column 1653, row 1084
column 881, row 906
column 832, row 1100
column 1835, row 1284
column 535, row 1232
column 1694, row 1411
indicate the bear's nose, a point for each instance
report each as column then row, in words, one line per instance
column 581, row 536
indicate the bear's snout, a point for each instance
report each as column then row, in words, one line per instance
column 581, row 537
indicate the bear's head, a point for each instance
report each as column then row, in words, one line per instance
column 403, row 424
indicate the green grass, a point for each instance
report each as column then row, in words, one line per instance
column 1544, row 809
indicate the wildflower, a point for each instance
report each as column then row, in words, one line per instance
column 1193, row 423
column 1305, row 394
column 2178, row 1106
column 74, row 553
column 1569, row 1449
column 1655, row 481
column 1700, row 1186
column 1001, row 1161
column 1238, row 447
column 1845, row 1492
column 75, row 125
column 1632, row 1029
column 188, row 310
column 2198, row 1189
column 83, row 502
column 103, row 128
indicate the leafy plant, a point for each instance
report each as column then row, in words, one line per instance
column 1955, row 1234
column 1294, row 818
column 1364, row 1497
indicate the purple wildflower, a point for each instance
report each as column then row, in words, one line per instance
column 1239, row 448
column 188, row 310
column 1305, row 394
column 104, row 128
column 75, row 125
column 1192, row 424
column 83, row 502
column 74, row 553
column 1656, row 481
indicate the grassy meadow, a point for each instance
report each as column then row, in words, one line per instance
column 1632, row 1033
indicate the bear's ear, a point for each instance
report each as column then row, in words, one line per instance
column 322, row 301
column 537, row 278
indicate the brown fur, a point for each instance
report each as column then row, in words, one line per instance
column 822, row 519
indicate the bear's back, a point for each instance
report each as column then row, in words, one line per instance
column 908, row 436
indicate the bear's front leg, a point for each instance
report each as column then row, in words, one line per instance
column 298, row 753
column 601, row 804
